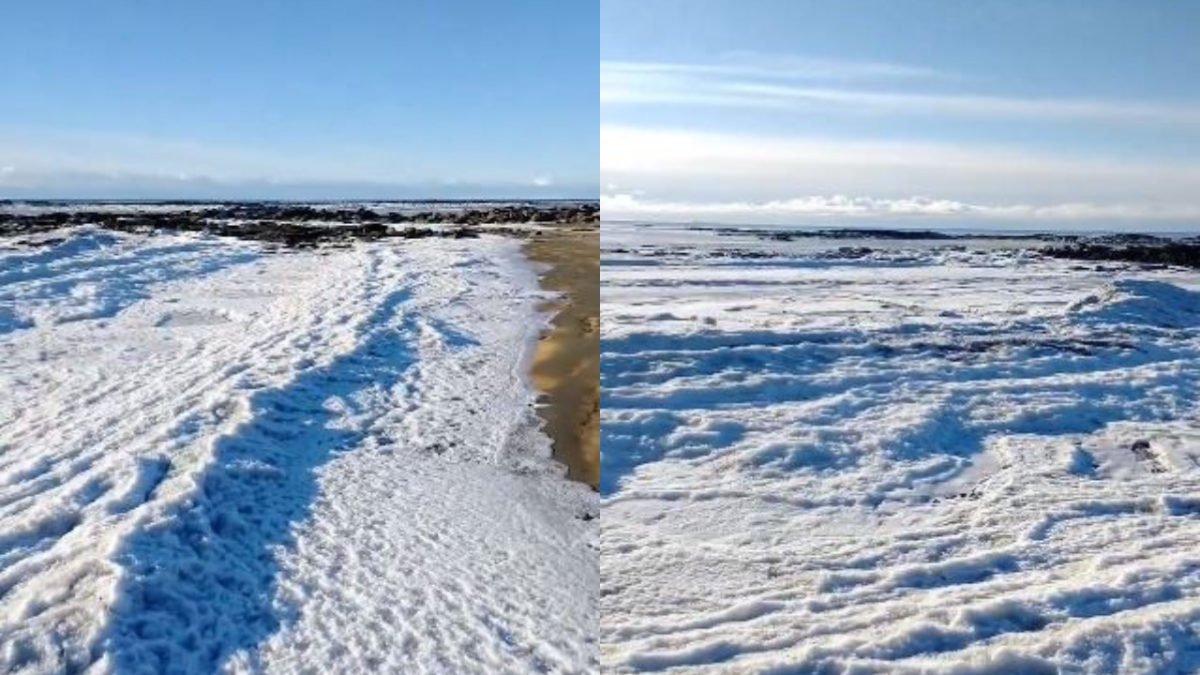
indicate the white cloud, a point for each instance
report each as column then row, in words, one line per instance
column 774, row 67
column 766, row 86
column 48, row 153
column 627, row 206
column 706, row 166
column 782, row 96
column 14, row 178
column 45, row 154
column 542, row 181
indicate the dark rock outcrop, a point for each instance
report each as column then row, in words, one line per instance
column 296, row 225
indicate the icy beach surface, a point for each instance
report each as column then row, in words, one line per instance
column 916, row 458
column 220, row 457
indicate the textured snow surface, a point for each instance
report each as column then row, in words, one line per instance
column 217, row 459
column 909, row 461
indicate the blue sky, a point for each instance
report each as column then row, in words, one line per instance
column 298, row 98
column 1076, row 112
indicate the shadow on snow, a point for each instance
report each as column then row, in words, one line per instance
column 84, row 278
column 653, row 384
column 199, row 585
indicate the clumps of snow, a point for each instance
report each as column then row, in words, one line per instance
column 917, row 460
column 1141, row 302
column 222, row 460
column 91, row 274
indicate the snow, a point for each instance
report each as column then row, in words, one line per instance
column 214, row 458
column 921, row 459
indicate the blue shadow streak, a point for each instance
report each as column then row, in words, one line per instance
column 200, row 584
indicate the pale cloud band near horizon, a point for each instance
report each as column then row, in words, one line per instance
column 676, row 171
column 62, row 164
column 621, row 206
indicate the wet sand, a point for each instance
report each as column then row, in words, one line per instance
column 566, row 365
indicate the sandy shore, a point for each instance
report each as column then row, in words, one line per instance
column 566, row 365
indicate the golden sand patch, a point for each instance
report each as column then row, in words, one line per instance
column 566, row 365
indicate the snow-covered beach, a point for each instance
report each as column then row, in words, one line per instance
column 220, row 456
column 895, row 457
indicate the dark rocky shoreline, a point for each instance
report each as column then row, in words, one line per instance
column 1140, row 248
column 1114, row 239
column 301, row 226
column 1178, row 253
column 768, row 234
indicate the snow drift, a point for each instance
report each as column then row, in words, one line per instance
column 910, row 459
column 216, row 459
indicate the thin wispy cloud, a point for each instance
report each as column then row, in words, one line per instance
column 779, row 96
column 709, row 84
column 784, row 85
column 773, row 67
column 46, row 153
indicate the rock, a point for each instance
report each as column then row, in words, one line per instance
column 289, row 224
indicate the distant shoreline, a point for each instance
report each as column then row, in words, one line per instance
column 1150, row 249
column 302, row 224
column 988, row 230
